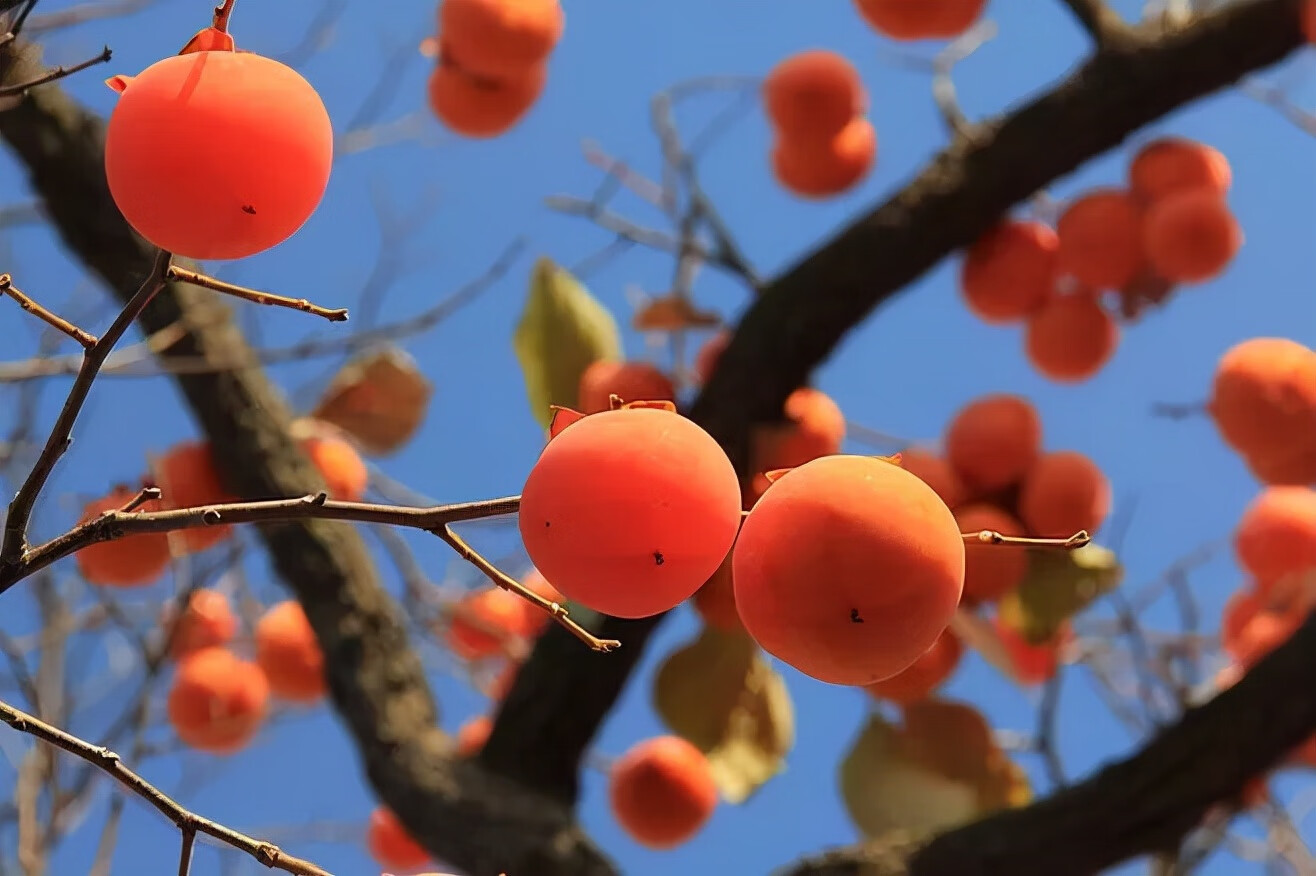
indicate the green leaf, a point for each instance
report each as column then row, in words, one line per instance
column 563, row 329
column 942, row 768
column 719, row 693
column 1059, row 585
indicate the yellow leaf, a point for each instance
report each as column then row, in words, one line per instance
column 1059, row 585
column 380, row 398
column 563, row 329
column 720, row 694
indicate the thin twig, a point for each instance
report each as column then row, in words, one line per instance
column 183, row 275
column 187, row 821
column 7, row 287
column 992, row 537
column 52, row 75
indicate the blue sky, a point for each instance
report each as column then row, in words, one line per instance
column 904, row 372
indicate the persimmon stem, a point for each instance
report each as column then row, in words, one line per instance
column 992, row 537
column 183, row 275
column 7, row 287
column 222, row 13
column 556, row 610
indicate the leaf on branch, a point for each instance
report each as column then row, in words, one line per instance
column 379, row 398
column 563, row 330
column 719, row 693
column 1058, row 586
column 942, row 768
column 672, row 313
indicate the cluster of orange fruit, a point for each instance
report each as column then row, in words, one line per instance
column 921, row 19
column 1170, row 226
column 492, row 61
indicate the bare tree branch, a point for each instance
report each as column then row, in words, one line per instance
column 1098, row 19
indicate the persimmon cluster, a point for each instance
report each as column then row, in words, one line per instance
column 188, row 478
column 492, row 62
column 824, row 144
column 1263, row 402
column 908, row 20
column 1170, row 225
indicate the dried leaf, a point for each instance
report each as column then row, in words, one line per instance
column 563, row 329
column 379, row 398
column 1058, row 586
column 210, row 39
column 560, row 419
column 981, row 635
column 720, row 694
column 672, row 313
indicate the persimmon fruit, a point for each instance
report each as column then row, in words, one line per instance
column 993, row 440
column 1100, row 239
column 188, row 478
column 630, row 381
column 217, row 701
column 812, row 95
column 1010, row 272
column 500, row 39
column 206, row 621
column 1063, row 492
column 481, row 107
column 818, row 169
column 287, row 650
column 661, row 791
column 990, row 570
column 390, row 844
column 128, row 561
column 1071, row 337
column 924, row 675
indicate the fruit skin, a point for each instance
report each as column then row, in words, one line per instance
column 990, row 570
column 207, row 621
column 993, row 440
column 1276, row 535
column 479, row 107
column 471, row 634
column 188, row 478
column 390, row 844
column 823, row 169
column 1062, row 493
column 1010, row 272
column 806, row 569
column 1263, row 401
column 1171, row 164
column 630, row 511
column 500, row 38
column 287, row 650
column 716, row 600
column 130, row 561
column 1100, row 238
column 1071, row 338
column 812, row 95
column 662, row 792
column 340, row 465
column 631, row 381
column 924, row 675
column 218, row 155
column 1191, row 236
column 920, row 19
column 217, row 701
column 936, row 472
column 814, row 427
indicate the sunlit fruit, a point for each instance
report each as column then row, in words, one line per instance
column 1100, row 238
column 500, row 38
column 286, row 648
column 848, row 568
column 1263, row 401
column 662, row 792
column 480, row 107
column 629, row 381
column 217, row 701
column 933, row 470
column 1276, row 535
column 340, row 465
column 825, row 168
column 924, row 675
column 217, row 154
column 1071, row 337
column 205, row 622
column 188, row 478
column 920, row 19
column 128, row 561
column 1062, row 493
column 1190, row 235
column 813, row 95
column 484, row 622
column 1172, row 164
column 630, row 511
column 1010, row 272
column 990, row 570
column 993, row 440
column 390, row 844
column 814, row 426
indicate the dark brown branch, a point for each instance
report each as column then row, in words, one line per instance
column 1098, row 19
column 479, row 822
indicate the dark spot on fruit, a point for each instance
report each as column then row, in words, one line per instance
column 547, row 524
column 247, row 208
column 854, row 616
column 658, row 558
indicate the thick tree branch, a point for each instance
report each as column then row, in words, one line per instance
column 562, row 694
column 1140, row 805
column 1098, row 19
column 483, row 824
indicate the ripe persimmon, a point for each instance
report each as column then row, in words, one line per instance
column 825, row 168
column 500, row 38
column 1276, row 535
column 1191, row 235
column 933, row 470
column 716, row 600
column 920, row 19
column 993, row 440
column 472, row 735
column 286, row 648
column 217, row 701
column 1064, row 492
column 1263, row 401
column 486, row 618
column 814, row 427
column 661, row 791
column 1010, row 272
column 478, row 106
column 1100, row 237
column 340, row 465
column 206, row 622
column 217, row 154
column 990, row 570
column 630, row 381
column 129, row 561
column 924, row 675
column 390, row 844
column 1171, row 164
column 1071, row 337
column 188, row 478
column 805, row 569
column 630, row 511
column 813, row 94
